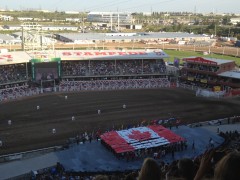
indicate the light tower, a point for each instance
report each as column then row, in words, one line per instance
column 34, row 39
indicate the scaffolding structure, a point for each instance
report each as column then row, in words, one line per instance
column 37, row 42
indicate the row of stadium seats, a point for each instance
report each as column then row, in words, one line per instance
column 113, row 84
column 12, row 73
column 15, row 73
column 202, row 67
column 24, row 90
column 110, row 67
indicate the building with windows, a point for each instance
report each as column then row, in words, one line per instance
column 234, row 21
column 109, row 17
column 6, row 18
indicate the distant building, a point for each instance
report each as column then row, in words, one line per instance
column 60, row 28
column 25, row 18
column 6, row 18
column 71, row 12
column 73, row 19
column 147, row 13
column 210, row 72
column 129, row 37
column 108, row 17
column 234, row 21
column 45, row 28
column 7, row 39
column 12, row 27
column 134, row 26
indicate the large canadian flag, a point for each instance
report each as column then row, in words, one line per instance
column 140, row 138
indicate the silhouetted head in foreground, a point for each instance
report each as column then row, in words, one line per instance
column 150, row 170
column 228, row 167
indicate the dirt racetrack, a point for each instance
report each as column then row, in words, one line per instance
column 32, row 128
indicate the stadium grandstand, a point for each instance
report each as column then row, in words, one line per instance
column 64, row 70
column 121, row 151
column 43, row 70
column 210, row 73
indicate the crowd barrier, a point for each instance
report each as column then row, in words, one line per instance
column 208, row 93
column 203, row 92
column 217, row 122
column 28, row 154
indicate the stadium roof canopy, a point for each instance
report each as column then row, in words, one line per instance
column 121, row 36
column 231, row 74
column 22, row 57
column 207, row 60
column 14, row 58
column 111, row 54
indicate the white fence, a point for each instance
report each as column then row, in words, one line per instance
column 202, row 92
column 208, row 93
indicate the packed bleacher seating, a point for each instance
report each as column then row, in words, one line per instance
column 78, row 68
column 12, row 73
column 111, row 67
column 113, row 84
column 201, row 67
column 15, row 79
column 206, row 77
column 18, row 92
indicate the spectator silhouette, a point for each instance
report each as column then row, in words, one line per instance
column 186, row 169
column 150, row 170
column 228, row 167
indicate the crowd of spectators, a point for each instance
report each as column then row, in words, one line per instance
column 17, row 92
column 207, row 77
column 201, row 67
column 112, row 67
column 75, row 68
column 100, row 68
column 205, row 80
column 12, row 73
column 113, row 84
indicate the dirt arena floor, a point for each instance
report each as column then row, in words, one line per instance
column 32, row 128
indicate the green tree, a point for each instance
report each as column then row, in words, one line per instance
column 226, row 20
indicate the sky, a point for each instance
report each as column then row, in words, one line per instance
column 198, row 6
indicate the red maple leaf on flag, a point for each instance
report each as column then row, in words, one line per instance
column 140, row 136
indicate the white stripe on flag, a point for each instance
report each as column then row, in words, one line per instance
column 142, row 137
